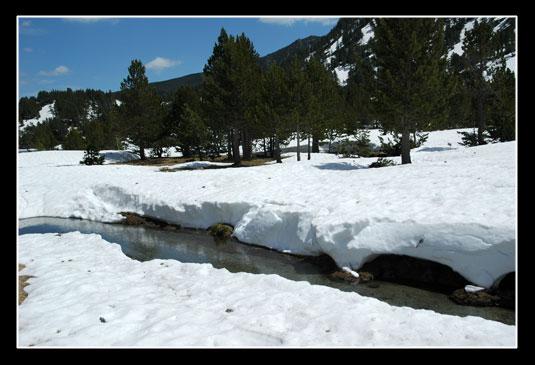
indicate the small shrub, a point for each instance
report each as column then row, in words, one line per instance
column 382, row 162
column 393, row 148
column 92, row 157
column 469, row 139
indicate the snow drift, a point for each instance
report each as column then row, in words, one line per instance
column 453, row 205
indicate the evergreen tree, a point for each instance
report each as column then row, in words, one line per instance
column 502, row 106
column 480, row 49
column 74, row 140
column 38, row 136
column 140, row 110
column 94, row 138
column 323, row 103
column 231, row 88
column 180, row 120
column 298, row 96
column 411, row 85
column 274, row 108
column 28, row 108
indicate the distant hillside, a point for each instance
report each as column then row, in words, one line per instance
column 169, row 86
column 301, row 47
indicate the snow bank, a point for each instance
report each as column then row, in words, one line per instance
column 86, row 293
column 452, row 205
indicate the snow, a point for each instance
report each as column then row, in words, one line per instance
column 458, row 47
column 453, row 205
column 472, row 288
column 367, row 34
column 86, row 293
column 46, row 112
column 342, row 73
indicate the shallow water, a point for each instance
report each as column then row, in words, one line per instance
column 194, row 246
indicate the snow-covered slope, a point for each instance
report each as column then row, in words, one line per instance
column 45, row 113
column 453, row 205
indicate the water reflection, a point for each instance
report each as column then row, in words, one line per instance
column 192, row 246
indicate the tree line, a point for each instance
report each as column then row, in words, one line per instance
column 404, row 82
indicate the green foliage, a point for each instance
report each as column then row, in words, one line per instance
column 230, row 91
column 74, row 140
column 94, row 133
column 141, row 112
column 28, row 108
column 502, row 113
column 393, row 148
column 356, row 148
column 410, row 85
column 481, row 47
column 92, row 157
column 38, row 136
column 382, row 162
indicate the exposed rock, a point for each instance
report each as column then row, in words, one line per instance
column 364, row 276
column 221, row 230
column 481, row 298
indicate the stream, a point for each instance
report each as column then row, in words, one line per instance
column 197, row 246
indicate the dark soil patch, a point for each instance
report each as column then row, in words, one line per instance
column 22, row 284
column 133, row 219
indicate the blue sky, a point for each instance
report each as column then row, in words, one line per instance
column 94, row 53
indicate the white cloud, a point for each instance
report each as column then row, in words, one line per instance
column 58, row 71
column 323, row 21
column 89, row 20
column 159, row 63
column 279, row 21
column 289, row 21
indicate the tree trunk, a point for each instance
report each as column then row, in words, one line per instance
column 142, row 152
column 480, row 118
column 229, row 145
column 236, row 147
column 308, row 147
column 247, row 145
column 405, row 143
column 298, row 145
column 315, row 144
column 277, row 149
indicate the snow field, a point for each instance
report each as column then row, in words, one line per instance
column 86, row 293
column 452, row 205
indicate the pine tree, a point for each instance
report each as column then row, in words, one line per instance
column 274, row 108
column 480, row 49
column 140, row 110
column 323, row 103
column 502, row 106
column 73, row 140
column 411, row 84
column 298, row 96
column 231, row 88
column 94, row 140
column 184, row 97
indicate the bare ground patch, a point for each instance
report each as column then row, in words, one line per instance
column 22, row 285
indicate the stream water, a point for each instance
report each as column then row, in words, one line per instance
column 196, row 246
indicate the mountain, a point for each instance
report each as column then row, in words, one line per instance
column 301, row 47
column 351, row 36
column 168, row 86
